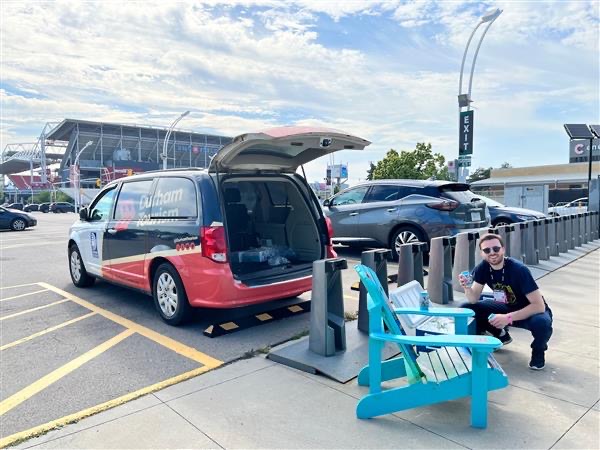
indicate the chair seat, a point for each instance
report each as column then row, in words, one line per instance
column 446, row 363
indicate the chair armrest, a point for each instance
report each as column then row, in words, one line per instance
column 448, row 312
column 444, row 340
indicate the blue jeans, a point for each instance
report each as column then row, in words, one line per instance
column 539, row 324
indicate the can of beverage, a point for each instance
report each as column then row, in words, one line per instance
column 424, row 300
column 466, row 274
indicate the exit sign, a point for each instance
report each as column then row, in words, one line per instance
column 465, row 135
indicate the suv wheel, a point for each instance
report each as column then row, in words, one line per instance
column 501, row 223
column 169, row 295
column 18, row 225
column 404, row 235
column 79, row 275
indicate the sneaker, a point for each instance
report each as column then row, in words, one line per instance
column 505, row 338
column 537, row 361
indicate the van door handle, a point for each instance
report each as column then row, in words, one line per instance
column 112, row 231
column 391, row 209
column 353, row 214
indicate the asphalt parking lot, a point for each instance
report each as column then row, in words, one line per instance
column 68, row 352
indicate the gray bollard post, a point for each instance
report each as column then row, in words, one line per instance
column 410, row 263
column 595, row 225
column 516, row 242
column 541, row 241
column 561, row 234
column 588, row 227
column 576, row 230
column 376, row 260
column 529, row 240
column 439, row 283
column 570, row 236
column 506, row 233
column 551, row 226
column 464, row 256
column 582, row 227
column 327, row 325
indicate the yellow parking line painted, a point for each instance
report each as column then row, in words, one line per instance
column 41, row 384
column 18, row 286
column 41, row 429
column 22, row 295
column 165, row 341
column 27, row 311
column 47, row 330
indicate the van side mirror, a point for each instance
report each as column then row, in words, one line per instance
column 327, row 203
column 83, row 213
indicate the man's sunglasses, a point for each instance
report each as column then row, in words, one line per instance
column 487, row 251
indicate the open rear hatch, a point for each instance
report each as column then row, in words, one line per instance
column 273, row 223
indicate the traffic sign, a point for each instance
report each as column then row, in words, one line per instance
column 465, row 133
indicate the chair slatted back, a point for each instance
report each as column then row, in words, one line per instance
column 379, row 309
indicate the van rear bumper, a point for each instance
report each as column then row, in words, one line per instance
column 215, row 287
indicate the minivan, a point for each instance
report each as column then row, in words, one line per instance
column 242, row 232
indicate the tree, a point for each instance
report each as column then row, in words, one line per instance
column 418, row 164
column 479, row 174
column 483, row 174
column 370, row 171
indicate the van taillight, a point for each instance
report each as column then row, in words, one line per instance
column 330, row 251
column 444, row 205
column 213, row 243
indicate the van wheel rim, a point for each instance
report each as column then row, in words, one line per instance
column 75, row 266
column 19, row 225
column 166, row 291
column 406, row 237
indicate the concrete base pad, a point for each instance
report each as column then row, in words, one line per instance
column 342, row 367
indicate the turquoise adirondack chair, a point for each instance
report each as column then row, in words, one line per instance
column 462, row 366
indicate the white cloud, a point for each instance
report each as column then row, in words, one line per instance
column 247, row 65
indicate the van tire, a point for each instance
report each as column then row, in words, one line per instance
column 169, row 295
column 405, row 234
column 79, row 275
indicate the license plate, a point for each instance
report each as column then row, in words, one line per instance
column 475, row 217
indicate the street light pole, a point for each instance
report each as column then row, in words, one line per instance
column 164, row 152
column 464, row 100
column 77, row 177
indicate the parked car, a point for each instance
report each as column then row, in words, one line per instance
column 505, row 215
column 15, row 220
column 575, row 207
column 243, row 232
column 44, row 207
column 18, row 206
column 389, row 213
column 31, row 207
column 62, row 207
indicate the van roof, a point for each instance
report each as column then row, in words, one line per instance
column 154, row 173
column 413, row 183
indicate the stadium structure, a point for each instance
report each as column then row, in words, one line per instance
column 81, row 155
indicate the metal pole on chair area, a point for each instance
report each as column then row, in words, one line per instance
column 327, row 324
column 376, row 260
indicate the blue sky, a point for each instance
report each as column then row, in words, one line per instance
column 384, row 70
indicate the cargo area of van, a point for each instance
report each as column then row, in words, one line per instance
column 271, row 230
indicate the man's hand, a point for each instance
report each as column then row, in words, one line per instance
column 463, row 280
column 499, row 320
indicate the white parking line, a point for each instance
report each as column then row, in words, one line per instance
column 22, row 295
column 36, row 244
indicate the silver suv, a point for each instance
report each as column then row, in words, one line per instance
column 389, row 213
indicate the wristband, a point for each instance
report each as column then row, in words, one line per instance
column 510, row 320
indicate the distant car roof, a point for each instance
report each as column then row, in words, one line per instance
column 420, row 183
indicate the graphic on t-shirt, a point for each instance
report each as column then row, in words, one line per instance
column 511, row 298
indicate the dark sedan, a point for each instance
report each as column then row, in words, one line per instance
column 62, row 207
column 44, row 207
column 31, row 207
column 11, row 219
column 505, row 215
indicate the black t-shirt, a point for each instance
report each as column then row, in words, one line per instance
column 514, row 279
